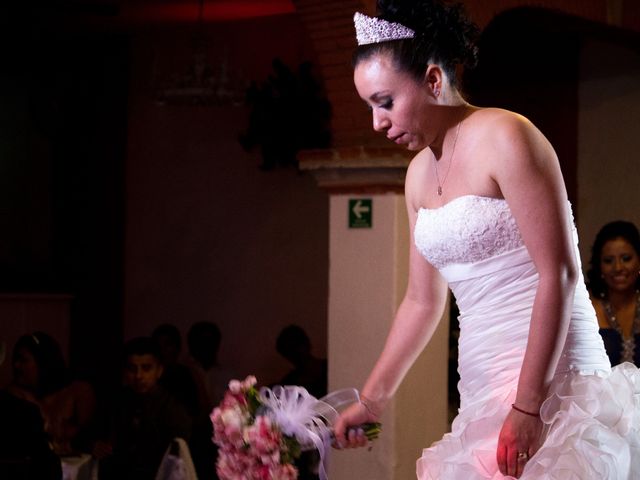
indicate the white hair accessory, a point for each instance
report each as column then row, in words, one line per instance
column 376, row 30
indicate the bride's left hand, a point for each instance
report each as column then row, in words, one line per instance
column 519, row 440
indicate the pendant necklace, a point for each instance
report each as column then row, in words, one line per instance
column 435, row 162
column 628, row 343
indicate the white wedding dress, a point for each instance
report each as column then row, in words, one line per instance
column 592, row 412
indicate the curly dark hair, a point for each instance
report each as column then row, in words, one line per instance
column 444, row 36
column 616, row 229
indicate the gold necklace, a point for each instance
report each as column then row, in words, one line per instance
column 435, row 162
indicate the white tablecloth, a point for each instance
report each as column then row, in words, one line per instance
column 80, row 467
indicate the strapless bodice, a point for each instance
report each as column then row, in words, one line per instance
column 466, row 230
column 475, row 243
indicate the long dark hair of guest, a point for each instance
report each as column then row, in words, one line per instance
column 52, row 370
column 612, row 230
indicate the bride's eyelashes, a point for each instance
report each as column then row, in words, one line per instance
column 387, row 104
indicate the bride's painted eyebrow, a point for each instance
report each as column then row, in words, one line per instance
column 377, row 97
column 380, row 96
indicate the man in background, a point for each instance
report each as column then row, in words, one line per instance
column 145, row 419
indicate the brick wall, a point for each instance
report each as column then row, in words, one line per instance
column 330, row 27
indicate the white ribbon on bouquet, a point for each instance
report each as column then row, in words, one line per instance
column 304, row 417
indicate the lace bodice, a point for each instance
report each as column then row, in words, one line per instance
column 466, row 230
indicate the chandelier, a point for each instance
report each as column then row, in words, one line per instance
column 202, row 83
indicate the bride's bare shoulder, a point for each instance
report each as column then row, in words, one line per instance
column 504, row 131
column 490, row 118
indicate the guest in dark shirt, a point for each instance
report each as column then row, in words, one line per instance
column 212, row 379
column 308, row 371
column 176, row 377
column 24, row 449
column 145, row 419
column 614, row 285
column 67, row 404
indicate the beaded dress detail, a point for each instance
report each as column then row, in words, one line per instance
column 466, row 236
column 592, row 412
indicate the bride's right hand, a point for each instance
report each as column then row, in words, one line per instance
column 347, row 430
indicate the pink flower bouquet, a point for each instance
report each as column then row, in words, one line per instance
column 260, row 433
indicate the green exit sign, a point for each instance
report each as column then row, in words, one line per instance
column 360, row 210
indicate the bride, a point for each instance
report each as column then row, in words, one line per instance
column 490, row 219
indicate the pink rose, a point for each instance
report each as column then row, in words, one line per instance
column 229, row 425
column 249, row 382
column 285, row 472
column 263, row 436
column 235, row 387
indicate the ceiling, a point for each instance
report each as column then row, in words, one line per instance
column 123, row 12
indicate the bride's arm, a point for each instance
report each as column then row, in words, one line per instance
column 528, row 174
column 413, row 325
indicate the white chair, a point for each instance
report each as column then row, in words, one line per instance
column 80, row 467
column 176, row 463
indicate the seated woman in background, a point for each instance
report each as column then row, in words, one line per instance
column 40, row 375
column 614, row 287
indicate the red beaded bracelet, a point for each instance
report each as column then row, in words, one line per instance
column 513, row 405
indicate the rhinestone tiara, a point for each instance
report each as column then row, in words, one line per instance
column 376, row 30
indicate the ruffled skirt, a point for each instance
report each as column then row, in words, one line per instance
column 592, row 413
column 592, row 431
